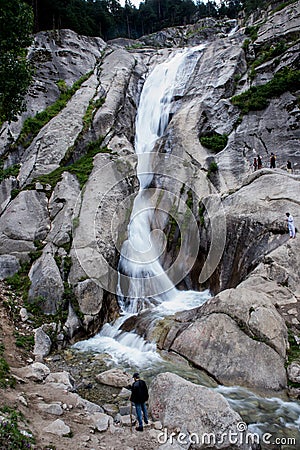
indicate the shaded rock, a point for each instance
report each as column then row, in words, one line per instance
column 216, row 344
column 72, row 325
column 9, row 265
column 51, row 408
column 25, row 220
column 62, row 206
column 170, row 402
column 114, row 377
column 46, row 283
column 110, row 409
column 58, row 427
column 89, row 296
column 42, row 343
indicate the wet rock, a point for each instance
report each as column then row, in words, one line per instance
column 169, row 402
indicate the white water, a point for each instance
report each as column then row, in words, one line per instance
column 143, row 282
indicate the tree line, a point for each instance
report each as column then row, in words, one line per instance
column 108, row 19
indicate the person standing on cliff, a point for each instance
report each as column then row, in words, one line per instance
column 259, row 162
column 291, row 225
column 272, row 161
column 139, row 396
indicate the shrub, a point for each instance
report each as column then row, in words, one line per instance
column 213, row 168
column 258, row 97
column 215, row 141
column 11, row 437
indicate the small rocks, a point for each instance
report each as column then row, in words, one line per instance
column 58, row 427
column 100, row 421
column 293, row 371
column 53, row 408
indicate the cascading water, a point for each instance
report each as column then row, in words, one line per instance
column 142, row 281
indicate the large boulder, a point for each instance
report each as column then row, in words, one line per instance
column 193, row 410
column 218, row 345
column 46, row 287
column 62, row 205
column 25, row 220
column 9, row 265
column 114, row 377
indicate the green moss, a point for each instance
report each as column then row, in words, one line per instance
column 293, row 353
column 24, row 341
column 258, row 97
column 80, row 168
column 6, row 380
column 252, row 32
column 213, row 168
column 214, row 141
column 11, row 171
column 20, row 282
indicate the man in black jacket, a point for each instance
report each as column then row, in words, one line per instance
column 139, row 396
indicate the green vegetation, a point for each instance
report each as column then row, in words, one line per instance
column 252, row 32
column 268, row 53
column 11, row 171
column 283, row 5
column 33, row 125
column 24, row 341
column 258, row 97
column 11, row 437
column 215, row 141
column 201, row 211
column 293, row 353
column 213, row 168
column 20, row 282
column 6, row 380
column 81, row 168
column 16, row 25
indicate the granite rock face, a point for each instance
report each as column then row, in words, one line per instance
column 66, row 212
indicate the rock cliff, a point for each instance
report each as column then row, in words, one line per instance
column 68, row 183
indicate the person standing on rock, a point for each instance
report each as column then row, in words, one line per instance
column 139, row 396
column 272, row 161
column 255, row 164
column 291, row 225
column 289, row 166
column 259, row 162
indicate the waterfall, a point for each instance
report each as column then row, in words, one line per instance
column 142, row 280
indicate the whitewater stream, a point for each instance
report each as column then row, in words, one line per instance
column 143, row 283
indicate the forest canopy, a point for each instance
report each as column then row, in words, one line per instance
column 108, row 19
